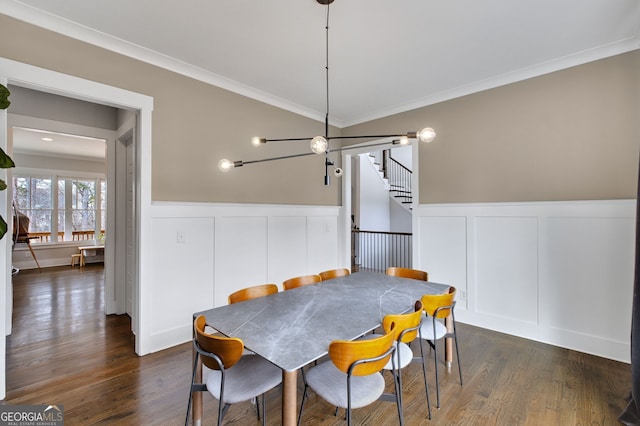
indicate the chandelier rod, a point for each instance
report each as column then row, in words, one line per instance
column 319, row 144
column 327, row 162
column 326, row 70
column 304, row 154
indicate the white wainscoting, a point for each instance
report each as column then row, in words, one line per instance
column 555, row 272
column 203, row 252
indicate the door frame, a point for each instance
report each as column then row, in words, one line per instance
column 346, row 211
column 32, row 77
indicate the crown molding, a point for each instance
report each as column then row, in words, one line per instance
column 580, row 58
column 68, row 28
column 85, row 34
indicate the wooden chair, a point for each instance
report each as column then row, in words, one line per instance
column 406, row 329
column 21, row 233
column 439, row 306
column 252, row 293
column 355, row 367
column 414, row 274
column 228, row 375
column 334, row 273
column 296, row 282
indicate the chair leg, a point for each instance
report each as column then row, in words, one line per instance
column 222, row 410
column 426, row 386
column 186, row 419
column 193, row 378
column 304, row 396
column 397, row 380
column 455, row 339
column 34, row 255
column 435, row 365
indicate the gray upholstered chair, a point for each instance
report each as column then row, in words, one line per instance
column 334, row 273
column 300, row 281
column 438, row 307
column 352, row 378
column 406, row 328
column 227, row 374
column 252, row 293
column 414, row 274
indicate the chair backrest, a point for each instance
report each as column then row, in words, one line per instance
column 334, row 273
column 434, row 302
column 344, row 353
column 414, row 274
column 296, row 282
column 252, row 293
column 227, row 349
column 404, row 326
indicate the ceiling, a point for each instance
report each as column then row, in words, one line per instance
column 53, row 144
column 385, row 56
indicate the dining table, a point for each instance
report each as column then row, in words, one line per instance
column 294, row 328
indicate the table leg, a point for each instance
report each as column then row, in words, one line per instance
column 448, row 342
column 196, row 408
column 289, row 396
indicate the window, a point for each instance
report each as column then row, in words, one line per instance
column 77, row 212
column 33, row 198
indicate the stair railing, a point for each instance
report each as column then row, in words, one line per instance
column 399, row 177
column 376, row 251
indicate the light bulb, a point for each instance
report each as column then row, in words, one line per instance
column 257, row 140
column 403, row 140
column 426, row 135
column 319, row 145
column 225, row 165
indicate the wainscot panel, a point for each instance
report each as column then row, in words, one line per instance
column 202, row 252
column 555, row 272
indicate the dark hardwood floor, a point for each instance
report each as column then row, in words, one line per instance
column 64, row 350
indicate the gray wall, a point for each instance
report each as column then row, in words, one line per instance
column 33, row 103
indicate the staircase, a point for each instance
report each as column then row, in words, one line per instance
column 396, row 176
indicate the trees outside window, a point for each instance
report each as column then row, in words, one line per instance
column 76, row 212
column 33, row 198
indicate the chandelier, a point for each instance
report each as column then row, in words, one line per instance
column 320, row 144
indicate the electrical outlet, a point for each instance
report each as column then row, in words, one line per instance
column 27, row 254
column 180, row 238
column 463, row 295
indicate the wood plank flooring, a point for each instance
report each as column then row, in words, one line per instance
column 64, row 350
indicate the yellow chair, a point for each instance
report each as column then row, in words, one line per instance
column 406, row 328
column 252, row 293
column 296, row 282
column 438, row 307
column 228, row 375
column 352, row 378
column 414, row 274
column 334, row 273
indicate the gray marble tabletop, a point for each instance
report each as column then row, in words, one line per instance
column 293, row 328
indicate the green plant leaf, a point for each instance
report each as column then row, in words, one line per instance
column 4, row 97
column 3, row 227
column 3, row 185
column 5, row 161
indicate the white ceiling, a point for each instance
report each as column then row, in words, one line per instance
column 32, row 141
column 385, row 56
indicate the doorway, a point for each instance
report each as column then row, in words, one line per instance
column 25, row 75
column 378, row 202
